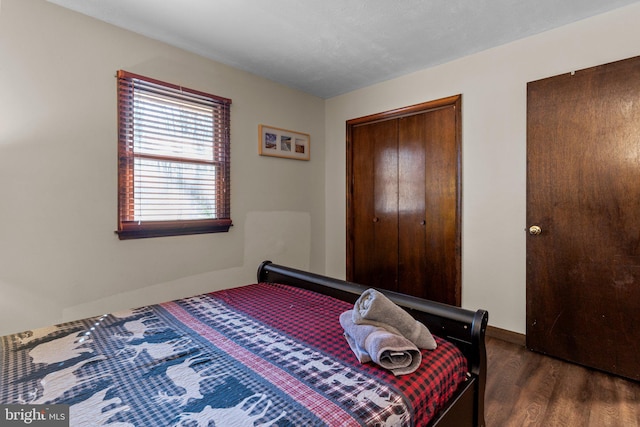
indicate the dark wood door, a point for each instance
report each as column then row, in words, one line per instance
column 375, row 200
column 583, row 191
column 403, row 225
column 428, row 204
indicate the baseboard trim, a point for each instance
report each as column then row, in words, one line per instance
column 505, row 335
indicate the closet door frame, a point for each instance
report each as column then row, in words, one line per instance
column 456, row 102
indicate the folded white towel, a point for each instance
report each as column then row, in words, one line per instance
column 374, row 308
column 374, row 344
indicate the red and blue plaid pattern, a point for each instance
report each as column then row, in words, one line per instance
column 312, row 318
column 266, row 354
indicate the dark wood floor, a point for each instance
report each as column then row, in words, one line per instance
column 529, row 389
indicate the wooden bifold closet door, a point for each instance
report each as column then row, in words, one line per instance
column 403, row 207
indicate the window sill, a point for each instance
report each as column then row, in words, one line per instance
column 135, row 230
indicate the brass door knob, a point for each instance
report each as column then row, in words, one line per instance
column 534, row 230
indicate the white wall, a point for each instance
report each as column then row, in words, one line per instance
column 59, row 256
column 493, row 88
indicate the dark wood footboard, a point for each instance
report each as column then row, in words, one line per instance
column 465, row 328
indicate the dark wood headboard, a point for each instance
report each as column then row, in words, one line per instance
column 465, row 328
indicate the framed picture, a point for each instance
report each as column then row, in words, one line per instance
column 278, row 142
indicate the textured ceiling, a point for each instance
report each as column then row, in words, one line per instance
column 330, row 47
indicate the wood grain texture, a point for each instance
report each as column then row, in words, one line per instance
column 375, row 202
column 529, row 389
column 404, row 200
column 583, row 190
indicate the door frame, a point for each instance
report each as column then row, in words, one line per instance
column 456, row 102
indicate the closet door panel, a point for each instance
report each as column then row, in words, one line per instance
column 375, row 204
column 412, row 254
column 442, row 208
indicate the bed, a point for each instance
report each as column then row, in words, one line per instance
column 267, row 354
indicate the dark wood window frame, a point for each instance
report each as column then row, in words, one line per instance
column 177, row 169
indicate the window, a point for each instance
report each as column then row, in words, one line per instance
column 173, row 159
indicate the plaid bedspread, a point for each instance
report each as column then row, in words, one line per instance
column 259, row 355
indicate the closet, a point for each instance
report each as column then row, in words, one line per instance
column 403, row 200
